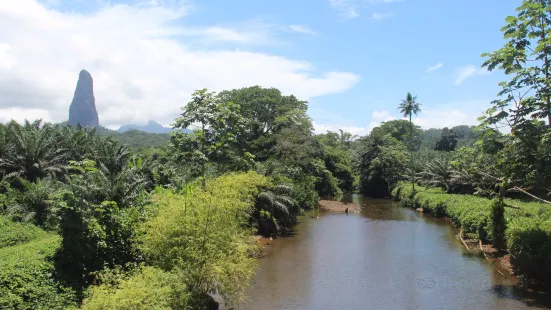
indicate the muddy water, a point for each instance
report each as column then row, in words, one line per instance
column 387, row 257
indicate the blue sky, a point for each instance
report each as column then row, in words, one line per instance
column 353, row 60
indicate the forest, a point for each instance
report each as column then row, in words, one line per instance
column 92, row 219
column 90, row 214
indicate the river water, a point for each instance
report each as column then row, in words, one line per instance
column 387, row 257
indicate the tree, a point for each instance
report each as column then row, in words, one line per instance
column 400, row 130
column 336, row 149
column 381, row 162
column 276, row 128
column 524, row 102
column 32, row 150
column 98, row 217
column 447, row 141
column 219, row 124
column 346, row 138
column 408, row 107
column 439, row 173
column 275, row 210
column 389, row 164
column 31, row 203
column 525, row 57
column 266, row 112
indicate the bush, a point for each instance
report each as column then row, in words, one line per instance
column 26, row 280
column 148, row 288
column 496, row 227
column 94, row 237
column 204, row 234
column 529, row 240
column 14, row 233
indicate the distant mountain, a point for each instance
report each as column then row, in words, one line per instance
column 151, row 127
column 136, row 138
column 83, row 107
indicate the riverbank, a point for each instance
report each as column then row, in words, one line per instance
column 501, row 261
column 527, row 227
column 386, row 257
column 337, row 206
column 263, row 246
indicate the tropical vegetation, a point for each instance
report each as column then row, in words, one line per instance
column 94, row 219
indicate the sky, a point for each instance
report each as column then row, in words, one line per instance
column 352, row 60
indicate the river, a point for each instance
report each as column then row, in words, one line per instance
column 387, row 257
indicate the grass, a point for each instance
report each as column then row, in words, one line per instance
column 14, row 233
column 26, row 276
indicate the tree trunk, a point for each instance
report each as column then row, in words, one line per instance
column 411, row 151
column 546, row 69
column 203, row 168
column 547, row 99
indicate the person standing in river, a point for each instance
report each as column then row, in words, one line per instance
column 346, row 211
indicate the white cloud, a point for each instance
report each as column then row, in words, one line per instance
column 142, row 64
column 377, row 117
column 435, row 67
column 466, row 72
column 351, row 8
column 346, row 8
column 381, row 16
column 354, row 130
column 254, row 34
column 20, row 114
column 303, row 29
column 452, row 114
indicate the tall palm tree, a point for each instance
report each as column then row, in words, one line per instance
column 408, row 107
column 32, row 151
column 111, row 154
column 78, row 142
column 32, row 203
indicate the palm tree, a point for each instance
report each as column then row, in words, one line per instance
column 346, row 138
column 275, row 209
column 32, row 151
column 439, row 173
column 78, row 142
column 110, row 154
column 32, row 203
column 408, row 107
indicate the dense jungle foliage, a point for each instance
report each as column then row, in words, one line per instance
column 92, row 215
column 94, row 219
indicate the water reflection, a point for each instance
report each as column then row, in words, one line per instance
column 388, row 257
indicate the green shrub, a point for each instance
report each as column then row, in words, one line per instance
column 26, row 280
column 148, row 288
column 396, row 193
column 529, row 241
column 204, row 234
column 496, row 226
column 94, row 236
column 14, row 233
column 468, row 212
